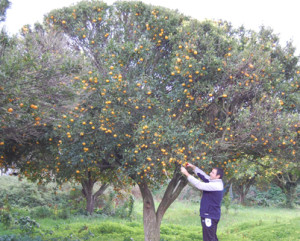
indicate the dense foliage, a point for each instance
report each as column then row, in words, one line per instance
column 229, row 92
column 34, row 87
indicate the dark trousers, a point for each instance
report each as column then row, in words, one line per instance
column 209, row 229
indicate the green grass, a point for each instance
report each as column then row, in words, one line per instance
column 181, row 222
column 260, row 224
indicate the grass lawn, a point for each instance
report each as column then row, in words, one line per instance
column 180, row 223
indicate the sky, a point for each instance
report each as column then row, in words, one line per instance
column 282, row 16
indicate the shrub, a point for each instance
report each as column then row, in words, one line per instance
column 121, row 206
column 6, row 219
column 19, row 238
column 227, row 202
column 76, row 199
column 41, row 212
column 5, row 216
column 271, row 197
column 125, row 210
column 64, row 213
column 27, row 225
column 109, row 207
column 28, row 194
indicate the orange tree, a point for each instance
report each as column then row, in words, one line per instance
column 162, row 89
column 287, row 180
column 36, row 90
column 121, row 128
column 248, row 174
column 4, row 5
column 35, row 74
column 280, row 171
column 242, row 89
column 255, row 171
column 245, row 97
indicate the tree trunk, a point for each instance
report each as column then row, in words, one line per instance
column 288, row 184
column 152, row 220
column 243, row 189
column 151, row 223
column 290, row 191
column 241, row 193
column 231, row 192
column 90, row 203
column 87, row 190
column 242, row 198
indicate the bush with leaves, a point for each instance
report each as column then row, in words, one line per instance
column 272, row 196
column 6, row 219
column 27, row 194
column 27, row 225
column 41, row 212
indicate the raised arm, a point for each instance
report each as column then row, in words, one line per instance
column 204, row 177
column 205, row 186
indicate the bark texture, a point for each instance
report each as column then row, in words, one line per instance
column 288, row 184
column 87, row 191
column 151, row 218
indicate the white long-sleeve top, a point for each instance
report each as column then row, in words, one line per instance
column 212, row 194
column 207, row 184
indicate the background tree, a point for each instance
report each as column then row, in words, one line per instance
column 288, row 181
column 34, row 85
column 248, row 174
column 237, row 83
column 283, row 173
column 4, row 5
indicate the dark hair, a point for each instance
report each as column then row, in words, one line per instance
column 219, row 171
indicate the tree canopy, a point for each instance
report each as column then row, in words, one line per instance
column 35, row 72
